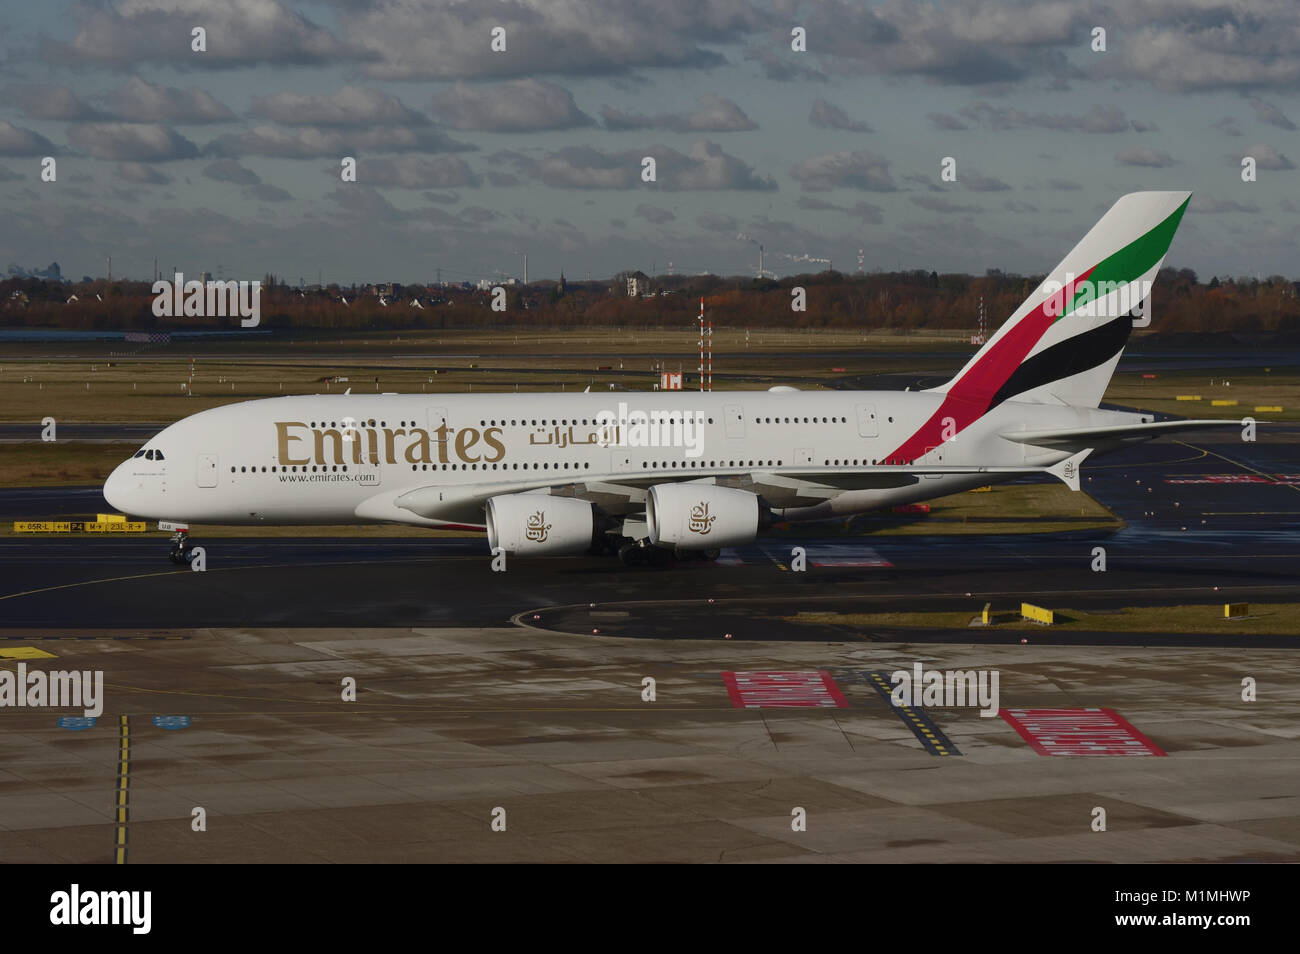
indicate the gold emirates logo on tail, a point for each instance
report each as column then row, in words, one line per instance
column 537, row 528
column 701, row 520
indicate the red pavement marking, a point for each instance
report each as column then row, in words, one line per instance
column 780, row 690
column 866, row 558
column 1079, row 732
column 1221, row 479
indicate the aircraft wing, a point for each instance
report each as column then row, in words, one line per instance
column 618, row 493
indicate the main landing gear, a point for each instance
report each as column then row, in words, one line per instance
column 643, row 553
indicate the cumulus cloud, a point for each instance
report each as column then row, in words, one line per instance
column 987, row 42
column 711, row 114
column 142, row 102
column 865, row 212
column 139, row 142
column 862, row 211
column 1146, row 156
column 1266, row 157
column 816, row 204
column 653, row 214
column 705, row 167
column 416, row 172
column 1228, row 126
column 945, row 122
column 716, row 222
column 17, row 141
column 829, row 116
column 265, row 192
column 229, row 170
column 141, row 174
column 979, row 183
column 938, row 203
column 240, row 33
column 1097, row 119
column 1216, row 48
column 349, row 106
column 845, row 170
column 522, row 105
column 576, row 37
column 311, row 142
column 1268, row 113
column 49, row 101
column 1204, row 203
column 784, row 66
column 980, row 42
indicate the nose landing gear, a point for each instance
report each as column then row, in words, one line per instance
column 180, row 551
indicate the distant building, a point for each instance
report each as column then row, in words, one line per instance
column 638, row 284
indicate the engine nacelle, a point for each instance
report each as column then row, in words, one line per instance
column 540, row 525
column 702, row 516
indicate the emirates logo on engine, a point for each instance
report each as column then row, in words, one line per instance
column 701, row 521
column 537, row 528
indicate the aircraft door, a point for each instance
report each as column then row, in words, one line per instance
column 734, row 415
column 867, row 424
column 205, row 473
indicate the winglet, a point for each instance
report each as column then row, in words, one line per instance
column 1067, row 471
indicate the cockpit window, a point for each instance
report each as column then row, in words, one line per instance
column 157, row 455
column 148, row 455
column 138, row 453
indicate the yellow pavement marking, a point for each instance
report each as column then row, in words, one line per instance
column 123, row 784
column 25, row 652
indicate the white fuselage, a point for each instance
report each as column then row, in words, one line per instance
column 345, row 459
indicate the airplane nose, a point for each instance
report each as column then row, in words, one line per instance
column 117, row 487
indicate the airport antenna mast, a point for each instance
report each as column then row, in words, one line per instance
column 706, row 351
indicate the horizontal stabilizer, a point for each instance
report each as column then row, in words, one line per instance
column 1072, row 438
column 1067, row 471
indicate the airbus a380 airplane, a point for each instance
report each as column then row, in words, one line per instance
column 681, row 472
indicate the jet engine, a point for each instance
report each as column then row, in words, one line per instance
column 702, row 516
column 540, row 525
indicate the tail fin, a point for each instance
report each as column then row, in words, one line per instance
column 1063, row 343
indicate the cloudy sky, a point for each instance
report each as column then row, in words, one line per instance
column 468, row 157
